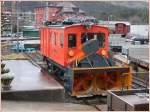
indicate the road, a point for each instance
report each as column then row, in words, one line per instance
column 3, row 39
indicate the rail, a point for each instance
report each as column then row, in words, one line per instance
column 94, row 106
column 140, row 80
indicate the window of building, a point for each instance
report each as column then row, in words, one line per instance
column 71, row 40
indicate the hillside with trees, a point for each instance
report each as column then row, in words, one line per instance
column 135, row 12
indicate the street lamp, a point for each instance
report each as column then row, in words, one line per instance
column 18, row 18
column 109, row 18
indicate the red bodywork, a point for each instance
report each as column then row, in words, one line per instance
column 122, row 28
column 54, row 42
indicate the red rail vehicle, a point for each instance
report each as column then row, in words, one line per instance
column 78, row 53
column 122, row 28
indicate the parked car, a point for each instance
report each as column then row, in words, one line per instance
column 138, row 38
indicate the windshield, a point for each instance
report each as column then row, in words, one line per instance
column 88, row 36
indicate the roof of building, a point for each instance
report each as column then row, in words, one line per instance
column 115, row 22
column 30, row 29
column 81, row 11
column 66, row 4
column 67, row 9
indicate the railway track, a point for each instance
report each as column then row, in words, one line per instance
column 34, row 58
column 139, row 82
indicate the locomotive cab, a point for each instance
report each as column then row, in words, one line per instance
column 81, row 37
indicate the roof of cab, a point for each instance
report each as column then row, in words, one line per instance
column 68, row 26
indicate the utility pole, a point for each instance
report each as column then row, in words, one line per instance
column 13, row 14
column 17, row 29
column 109, row 18
column 46, row 12
column 2, row 20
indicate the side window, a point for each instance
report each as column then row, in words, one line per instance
column 55, row 38
column 101, row 39
column 71, row 40
column 61, row 40
column 50, row 37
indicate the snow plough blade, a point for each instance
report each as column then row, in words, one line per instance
column 96, row 81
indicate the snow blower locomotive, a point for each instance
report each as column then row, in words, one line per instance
column 78, row 53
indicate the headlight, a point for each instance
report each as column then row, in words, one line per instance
column 104, row 52
column 71, row 53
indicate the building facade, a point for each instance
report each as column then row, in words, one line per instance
column 6, row 24
column 56, row 12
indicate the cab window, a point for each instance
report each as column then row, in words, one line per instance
column 71, row 40
column 88, row 36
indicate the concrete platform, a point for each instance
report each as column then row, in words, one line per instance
column 128, row 100
column 31, row 84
